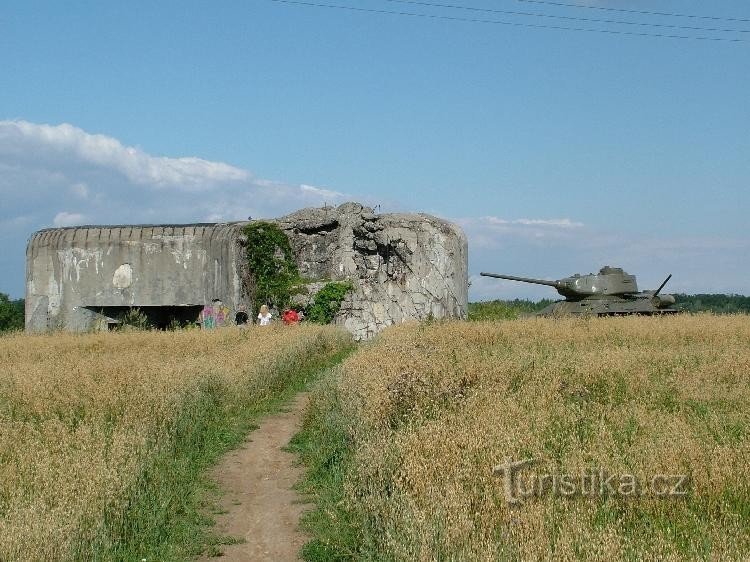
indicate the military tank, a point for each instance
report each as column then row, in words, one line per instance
column 611, row 292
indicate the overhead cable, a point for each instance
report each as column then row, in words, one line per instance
column 510, row 23
column 630, row 11
column 569, row 18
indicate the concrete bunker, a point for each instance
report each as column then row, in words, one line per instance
column 401, row 267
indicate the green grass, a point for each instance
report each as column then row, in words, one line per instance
column 166, row 516
column 324, row 447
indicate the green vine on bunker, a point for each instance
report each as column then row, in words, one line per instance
column 271, row 262
column 276, row 279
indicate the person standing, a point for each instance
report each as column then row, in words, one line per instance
column 290, row 317
column 241, row 317
column 264, row 316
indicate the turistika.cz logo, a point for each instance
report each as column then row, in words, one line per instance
column 521, row 484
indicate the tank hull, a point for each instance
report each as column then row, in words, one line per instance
column 605, row 307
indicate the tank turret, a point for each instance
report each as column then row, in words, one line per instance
column 612, row 291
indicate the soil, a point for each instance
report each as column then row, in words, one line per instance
column 261, row 507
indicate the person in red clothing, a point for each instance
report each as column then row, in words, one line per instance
column 290, row 317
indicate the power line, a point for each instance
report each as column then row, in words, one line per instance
column 570, row 18
column 508, row 23
column 641, row 12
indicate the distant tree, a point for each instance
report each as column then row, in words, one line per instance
column 716, row 303
column 11, row 313
column 505, row 309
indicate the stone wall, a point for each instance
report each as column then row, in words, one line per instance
column 402, row 266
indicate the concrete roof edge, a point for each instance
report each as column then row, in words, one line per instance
column 162, row 225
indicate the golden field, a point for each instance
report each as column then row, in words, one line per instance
column 83, row 418
column 430, row 409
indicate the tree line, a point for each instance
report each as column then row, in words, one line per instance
column 509, row 309
column 12, row 311
column 11, row 314
column 716, row 303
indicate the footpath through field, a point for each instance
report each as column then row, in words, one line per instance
column 259, row 504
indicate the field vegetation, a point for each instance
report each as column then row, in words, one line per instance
column 401, row 441
column 104, row 438
column 515, row 308
column 505, row 309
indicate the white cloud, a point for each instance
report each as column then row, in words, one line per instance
column 64, row 218
column 553, row 223
column 556, row 223
column 119, row 184
column 108, row 153
column 491, row 232
column 45, row 168
column 319, row 191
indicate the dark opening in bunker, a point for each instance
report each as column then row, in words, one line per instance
column 158, row 317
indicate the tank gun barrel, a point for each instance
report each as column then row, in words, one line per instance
column 555, row 284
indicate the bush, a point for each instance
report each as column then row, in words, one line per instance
column 135, row 319
column 327, row 302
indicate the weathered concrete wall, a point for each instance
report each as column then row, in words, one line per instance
column 70, row 272
column 403, row 267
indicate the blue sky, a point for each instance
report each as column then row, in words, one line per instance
column 556, row 151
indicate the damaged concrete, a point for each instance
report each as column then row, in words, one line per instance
column 403, row 267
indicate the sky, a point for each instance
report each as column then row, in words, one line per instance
column 557, row 151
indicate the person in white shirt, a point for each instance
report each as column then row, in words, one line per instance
column 264, row 316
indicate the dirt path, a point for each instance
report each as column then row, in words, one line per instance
column 257, row 479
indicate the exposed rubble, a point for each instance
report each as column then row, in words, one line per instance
column 403, row 266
